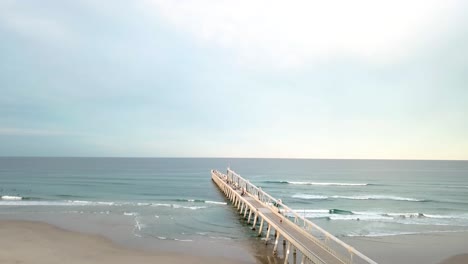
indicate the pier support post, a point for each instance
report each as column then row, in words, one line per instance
column 294, row 254
column 245, row 211
column 261, row 227
column 255, row 221
column 268, row 233
column 250, row 215
column 286, row 256
column 275, row 249
column 303, row 259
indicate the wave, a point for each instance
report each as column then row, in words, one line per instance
column 383, row 234
column 130, row 214
column 378, row 197
column 214, row 202
column 177, row 206
column 22, row 202
column 189, row 200
column 11, row 197
column 318, row 183
column 309, row 197
column 340, row 211
column 199, row 201
column 400, row 217
column 328, row 183
column 277, row 182
column 358, row 197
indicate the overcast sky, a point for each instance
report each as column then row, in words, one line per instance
column 214, row 78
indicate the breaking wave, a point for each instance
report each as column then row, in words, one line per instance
column 8, row 201
column 318, row 183
column 200, row 201
column 310, row 197
column 339, row 214
column 357, row 197
column 11, row 198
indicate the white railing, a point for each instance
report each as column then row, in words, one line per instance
column 330, row 242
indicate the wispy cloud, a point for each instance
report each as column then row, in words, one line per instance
column 290, row 33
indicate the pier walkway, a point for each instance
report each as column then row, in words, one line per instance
column 301, row 236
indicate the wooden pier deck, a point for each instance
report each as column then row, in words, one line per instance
column 314, row 244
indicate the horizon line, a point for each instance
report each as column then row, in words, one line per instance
column 187, row 157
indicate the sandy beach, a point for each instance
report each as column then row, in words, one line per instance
column 36, row 242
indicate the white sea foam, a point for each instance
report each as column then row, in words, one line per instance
column 382, row 234
column 184, row 240
column 11, row 198
column 359, row 217
column 130, row 213
column 309, row 196
column 214, row 202
column 161, row 205
column 188, row 207
column 327, row 183
column 377, row 197
column 34, row 203
column 398, row 217
column 396, row 233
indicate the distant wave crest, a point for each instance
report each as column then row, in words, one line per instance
column 346, row 215
column 200, row 201
column 10, row 201
column 378, row 197
column 318, row 183
column 357, row 197
column 310, row 196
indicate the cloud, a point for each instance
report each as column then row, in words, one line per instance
column 293, row 32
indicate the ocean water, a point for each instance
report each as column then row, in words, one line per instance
column 174, row 199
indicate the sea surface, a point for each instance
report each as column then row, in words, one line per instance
column 174, row 199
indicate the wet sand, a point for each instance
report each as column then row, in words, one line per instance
column 36, row 242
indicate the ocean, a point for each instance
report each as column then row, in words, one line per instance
column 174, row 199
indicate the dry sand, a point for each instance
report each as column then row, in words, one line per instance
column 35, row 242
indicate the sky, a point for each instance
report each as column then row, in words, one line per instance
column 360, row 79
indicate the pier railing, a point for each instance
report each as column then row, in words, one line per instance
column 330, row 243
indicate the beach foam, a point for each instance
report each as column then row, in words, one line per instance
column 11, row 198
column 318, row 183
column 309, row 196
column 357, row 197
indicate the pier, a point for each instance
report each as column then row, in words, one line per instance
column 303, row 241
